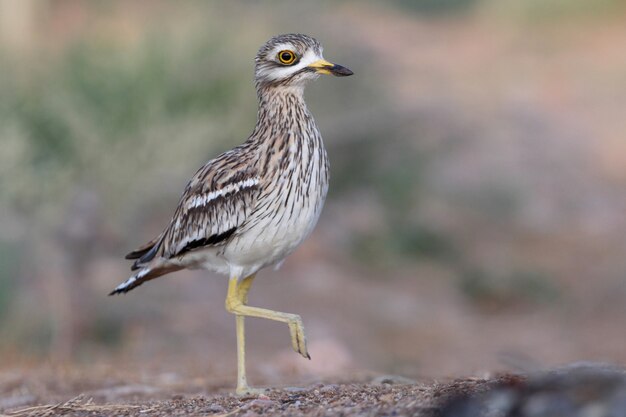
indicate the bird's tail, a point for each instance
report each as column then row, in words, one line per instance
column 145, row 274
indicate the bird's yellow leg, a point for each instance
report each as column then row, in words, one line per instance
column 235, row 293
column 241, row 289
column 236, row 300
column 242, row 381
column 244, row 288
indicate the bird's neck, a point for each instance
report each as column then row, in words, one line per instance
column 282, row 108
column 287, row 140
column 271, row 91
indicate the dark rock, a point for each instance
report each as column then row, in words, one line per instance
column 579, row 390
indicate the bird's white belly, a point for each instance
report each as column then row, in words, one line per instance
column 273, row 239
column 270, row 241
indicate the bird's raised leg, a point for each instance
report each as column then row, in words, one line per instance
column 236, row 303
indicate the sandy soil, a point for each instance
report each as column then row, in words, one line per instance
column 576, row 390
column 383, row 395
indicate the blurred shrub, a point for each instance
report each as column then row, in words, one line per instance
column 411, row 242
column 437, row 7
column 107, row 330
column 10, row 256
column 513, row 288
column 547, row 11
column 123, row 120
column 393, row 179
column 101, row 110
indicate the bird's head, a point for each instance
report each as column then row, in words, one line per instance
column 291, row 60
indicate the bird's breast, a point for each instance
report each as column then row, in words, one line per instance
column 289, row 205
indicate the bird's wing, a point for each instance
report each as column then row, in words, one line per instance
column 143, row 249
column 217, row 200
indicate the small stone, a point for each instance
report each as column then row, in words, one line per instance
column 215, row 408
column 329, row 388
column 392, row 380
column 387, row 398
column 259, row 403
column 294, row 389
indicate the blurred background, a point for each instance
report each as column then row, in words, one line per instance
column 476, row 219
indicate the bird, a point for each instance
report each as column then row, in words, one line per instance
column 252, row 206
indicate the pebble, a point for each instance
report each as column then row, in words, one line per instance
column 294, row 389
column 214, row 408
column 392, row 380
column 259, row 403
column 329, row 388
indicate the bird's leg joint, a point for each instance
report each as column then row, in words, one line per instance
column 236, row 303
column 232, row 296
column 237, row 294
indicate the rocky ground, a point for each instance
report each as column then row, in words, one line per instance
column 382, row 396
column 575, row 391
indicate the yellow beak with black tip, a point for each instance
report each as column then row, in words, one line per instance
column 324, row 67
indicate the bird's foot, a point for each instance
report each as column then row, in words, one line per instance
column 298, row 338
column 245, row 390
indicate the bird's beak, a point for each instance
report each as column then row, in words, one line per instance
column 324, row 67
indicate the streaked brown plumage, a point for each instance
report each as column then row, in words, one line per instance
column 253, row 205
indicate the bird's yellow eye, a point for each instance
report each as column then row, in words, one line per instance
column 286, row 57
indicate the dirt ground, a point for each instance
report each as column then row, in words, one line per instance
column 576, row 390
column 61, row 393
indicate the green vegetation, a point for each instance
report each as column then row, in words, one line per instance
column 108, row 119
column 88, row 110
column 437, row 7
column 10, row 257
column 515, row 287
